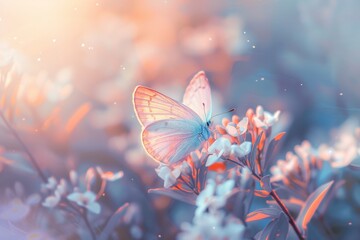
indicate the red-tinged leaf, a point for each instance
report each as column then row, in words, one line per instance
column 262, row 141
column 331, row 193
column 276, row 229
column 254, row 151
column 219, row 167
column 312, row 204
column 271, row 150
column 261, row 193
column 176, row 194
column 113, row 221
column 77, row 117
column 262, row 213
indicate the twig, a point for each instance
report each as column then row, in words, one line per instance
column 31, row 157
column 274, row 195
column 83, row 215
column 88, row 225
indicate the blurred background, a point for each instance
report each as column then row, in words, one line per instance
column 68, row 69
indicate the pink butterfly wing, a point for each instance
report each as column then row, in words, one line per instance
column 151, row 106
column 169, row 141
column 171, row 129
column 198, row 96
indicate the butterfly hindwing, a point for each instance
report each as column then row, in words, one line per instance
column 169, row 141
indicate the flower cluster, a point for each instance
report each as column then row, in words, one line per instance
column 61, row 191
column 345, row 147
column 240, row 163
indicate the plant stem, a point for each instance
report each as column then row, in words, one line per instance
column 31, row 157
column 274, row 195
column 88, row 225
column 83, row 213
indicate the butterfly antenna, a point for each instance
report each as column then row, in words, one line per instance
column 229, row 111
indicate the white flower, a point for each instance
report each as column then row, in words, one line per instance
column 238, row 129
column 213, row 225
column 87, row 200
column 52, row 200
column 241, row 150
column 109, row 176
column 283, row 168
column 346, row 147
column 205, row 198
column 242, row 125
column 61, row 187
column 59, row 190
column 265, row 119
column 213, row 196
column 221, row 147
column 51, row 183
column 169, row 176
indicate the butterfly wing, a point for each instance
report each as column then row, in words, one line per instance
column 198, row 96
column 151, row 106
column 169, row 141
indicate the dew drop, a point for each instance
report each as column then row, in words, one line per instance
column 253, row 46
column 341, row 94
column 350, row 223
column 262, row 79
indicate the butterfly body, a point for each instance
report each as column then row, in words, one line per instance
column 171, row 130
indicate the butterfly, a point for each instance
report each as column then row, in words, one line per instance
column 171, row 129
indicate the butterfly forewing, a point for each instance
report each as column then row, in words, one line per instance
column 198, row 96
column 151, row 106
column 169, row 141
